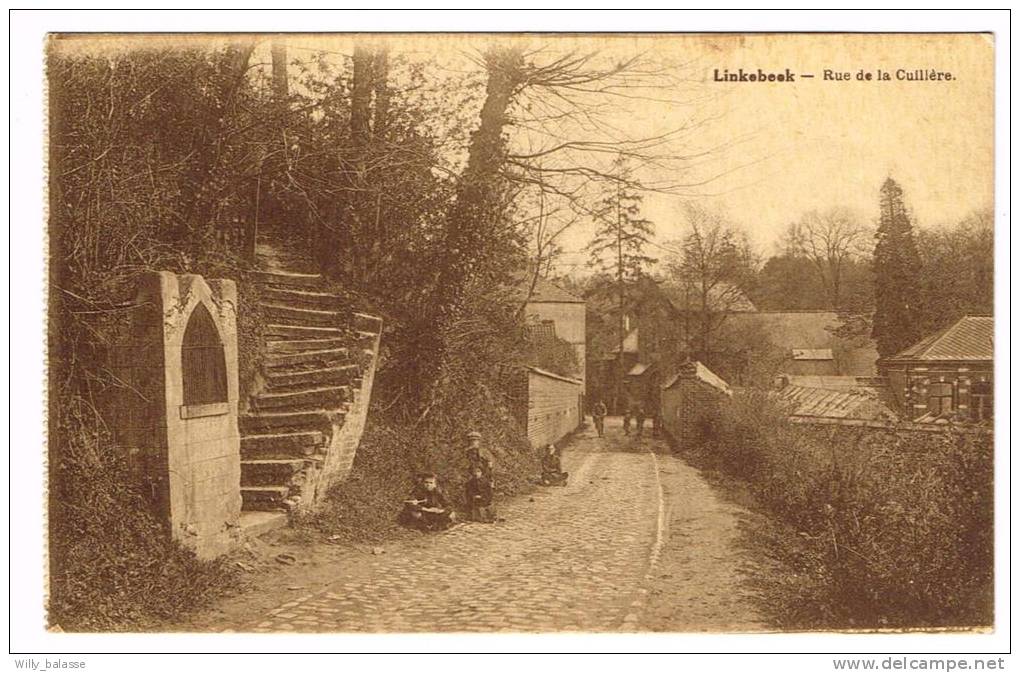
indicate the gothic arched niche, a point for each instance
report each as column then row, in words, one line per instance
column 203, row 364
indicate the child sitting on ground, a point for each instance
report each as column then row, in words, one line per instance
column 552, row 469
column 479, row 496
column 428, row 508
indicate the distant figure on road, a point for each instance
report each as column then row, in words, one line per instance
column 428, row 508
column 552, row 468
column 479, row 497
column 639, row 416
column 627, row 415
column 598, row 415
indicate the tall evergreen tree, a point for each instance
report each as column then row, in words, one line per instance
column 897, row 265
column 621, row 234
column 617, row 249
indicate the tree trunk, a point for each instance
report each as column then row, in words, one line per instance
column 361, row 97
column 472, row 215
column 381, row 122
column 359, row 211
column 280, row 86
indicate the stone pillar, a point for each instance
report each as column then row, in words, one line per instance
column 190, row 447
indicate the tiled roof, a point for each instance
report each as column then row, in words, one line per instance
column 700, row 372
column 827, row 403
column 806, row 331
column 969, row 338
column 834, row 382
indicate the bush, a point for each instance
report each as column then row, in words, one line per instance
column 900, row 519
column 394, row 451
column 112, row 565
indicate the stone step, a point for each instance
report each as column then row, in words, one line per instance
column 279, row 444
column 264, row 498
column 303, row 298
column 279, row 380
column 307, row 359
column 284, row 260
column 277, row 421
column 295, row 400
column 270, row 471
column 289, row 279
column 367, row 323
column 254, row 524
column 366, row 340
column 289, row 315
column 302, row 345
column 302, row 332
column 363, row 357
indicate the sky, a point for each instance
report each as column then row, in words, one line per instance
column 815, row 144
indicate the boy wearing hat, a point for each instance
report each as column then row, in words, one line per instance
column 478, row 457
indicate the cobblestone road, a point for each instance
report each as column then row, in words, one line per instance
column 576, row 558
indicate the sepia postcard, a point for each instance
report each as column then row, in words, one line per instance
column 520, row 333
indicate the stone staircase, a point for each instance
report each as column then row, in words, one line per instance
column 316, row 373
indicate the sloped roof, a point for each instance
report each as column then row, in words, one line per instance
column 830, row 382
column 827, row 403
column 812, row 353
column 638, row 369
column 791, row 329
column 723, row 297
column 696, row 370
column 544, row 292
column 969, row 338
column 630, row 342
column 551, row 375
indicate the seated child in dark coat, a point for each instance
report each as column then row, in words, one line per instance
column 428, row 508
column 552, row 469
column 479, row 496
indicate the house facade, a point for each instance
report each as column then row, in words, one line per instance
column 548, row 304
column 946, row 375
column 692, row 395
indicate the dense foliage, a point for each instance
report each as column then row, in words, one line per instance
column 138, row 176
column 898, row 524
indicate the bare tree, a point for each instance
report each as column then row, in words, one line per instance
column 545, row 228
column 706, row 265
column 830, row 239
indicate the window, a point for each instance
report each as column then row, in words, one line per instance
column 203, row 365
column 981, row 407
column 940, row 398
